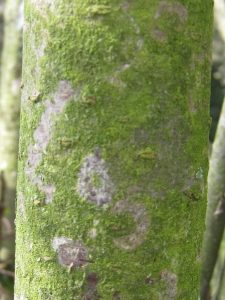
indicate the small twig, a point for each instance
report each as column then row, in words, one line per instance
column 8, row 235
column 220, row 285
column 2, row 200
column 7, row 224
column 8, row 273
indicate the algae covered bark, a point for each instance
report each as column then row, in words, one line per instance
column 113, row 149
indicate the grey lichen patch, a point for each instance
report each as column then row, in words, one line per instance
column 94, row 183
column 42, row 4
column 141, row 218
column 21, row 297
column 192, row 105
column 199, row 173
column 21, row 205
column 70, row 253
column 96, row 180
column 171, row 284
column 41, row 48
column 38, row 49
column 42, row 135
column 93, row 233
column 172, row 7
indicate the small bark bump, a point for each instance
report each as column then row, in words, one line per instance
column 70, row 253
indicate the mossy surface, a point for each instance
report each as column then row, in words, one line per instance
column 140, row 75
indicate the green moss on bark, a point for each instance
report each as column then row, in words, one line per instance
column 136, row 80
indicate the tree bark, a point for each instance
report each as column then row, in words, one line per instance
column 113, row 156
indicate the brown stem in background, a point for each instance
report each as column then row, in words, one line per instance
column 2, row 200
column 8, row 273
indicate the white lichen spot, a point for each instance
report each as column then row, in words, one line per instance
column 191, row 103
column 199, row 173
column 141, row 218
column 93, row 233
column 21, row 205
column 171, row 284
column 94, row 183
column 38, row 49
column 70, row 253
column 58, row 241
column 42, row 135
column 95, row 222
column 21, row 297
column 41, row 6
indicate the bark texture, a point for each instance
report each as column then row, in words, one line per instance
column 113, row 149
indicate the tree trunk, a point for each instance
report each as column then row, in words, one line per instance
column 216, row 207
column 9, row 125
column 215, row 216
column 113, row 149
